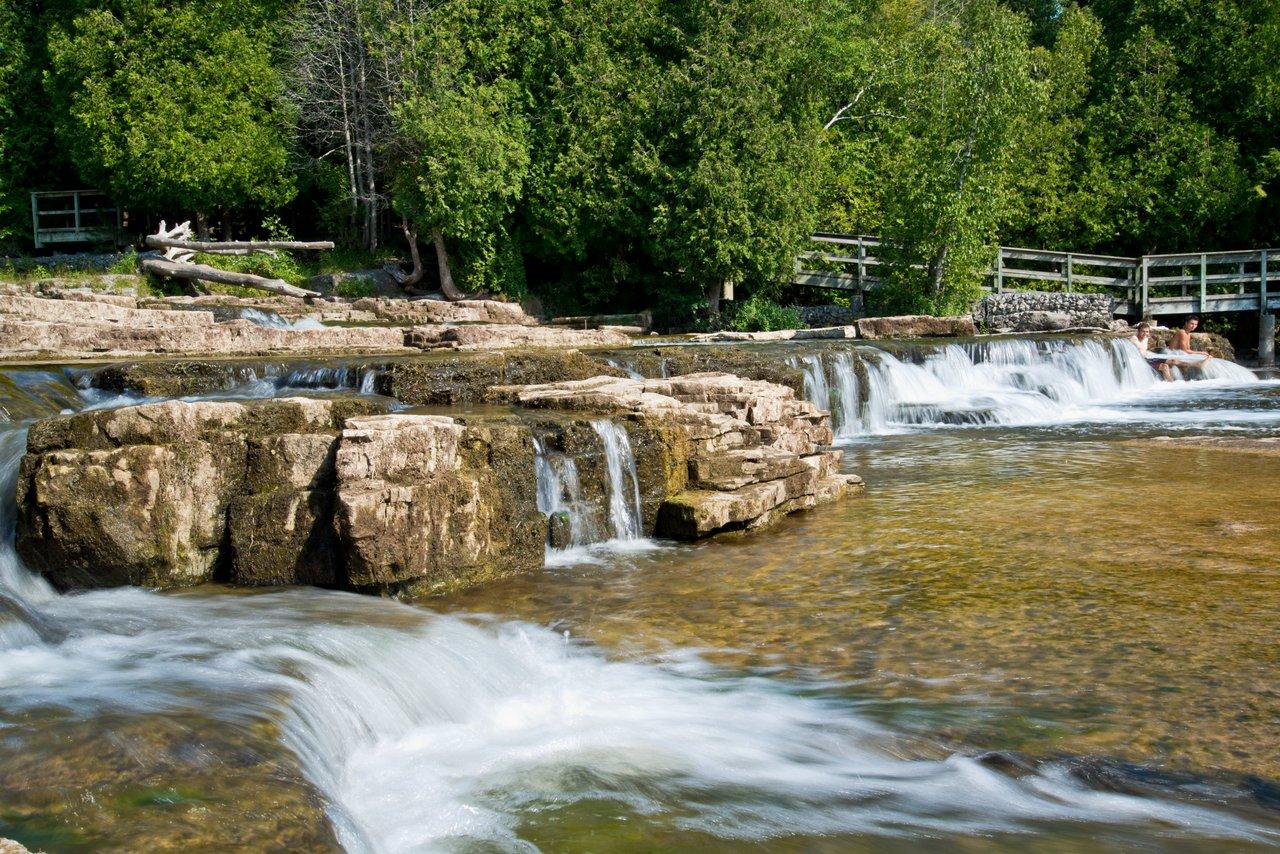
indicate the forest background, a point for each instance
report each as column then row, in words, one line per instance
column 623, row 154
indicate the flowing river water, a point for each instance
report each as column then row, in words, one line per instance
column 1044, row 626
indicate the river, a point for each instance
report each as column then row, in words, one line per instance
column 1044, row 625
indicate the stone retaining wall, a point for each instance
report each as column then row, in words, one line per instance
column 1029, row 311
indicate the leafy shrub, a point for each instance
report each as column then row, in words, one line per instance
column 356, row 287
column 127, row 263
column 760, row 314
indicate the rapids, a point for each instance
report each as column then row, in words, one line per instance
column 716, row 696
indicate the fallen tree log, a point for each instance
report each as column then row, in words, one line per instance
column 160, row 241
column 205, row 273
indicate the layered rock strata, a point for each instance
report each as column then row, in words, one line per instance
column 716, row 452
column 84, row 325
column 286, row 491
column 344, row 493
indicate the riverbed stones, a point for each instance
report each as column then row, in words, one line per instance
column 916, row 326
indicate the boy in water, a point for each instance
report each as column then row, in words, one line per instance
column 1182, row 338
column 1142, row 340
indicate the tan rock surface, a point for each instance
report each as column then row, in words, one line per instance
column 916, row 326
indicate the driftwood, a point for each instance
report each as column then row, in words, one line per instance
column 157, row 241
column 180, row 249
column 205, row 273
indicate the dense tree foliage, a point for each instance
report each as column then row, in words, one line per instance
column 632, row 153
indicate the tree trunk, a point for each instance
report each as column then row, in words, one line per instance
column 712, row 294
column 447, row 285
column 201, row 272
column 202, row 226
column 408, row 282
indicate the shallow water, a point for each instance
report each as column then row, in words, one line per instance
column 1058, row 633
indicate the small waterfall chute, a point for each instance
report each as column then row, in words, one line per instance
column 624, row 485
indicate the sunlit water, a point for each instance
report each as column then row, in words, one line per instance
column 1096, row 606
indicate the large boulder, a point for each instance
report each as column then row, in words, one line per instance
column 916, row 326
column 175, row 494
column 335, row 493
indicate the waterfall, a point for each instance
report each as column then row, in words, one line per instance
column 624, row 486
column 628, row 369
column 847, row 420
column 560, row 491
column 998, row 382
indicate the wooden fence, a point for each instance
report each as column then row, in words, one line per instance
column 1146, row 286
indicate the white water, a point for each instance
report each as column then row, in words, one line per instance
column 275, row 321
column 1012, row 382
column 624, row 486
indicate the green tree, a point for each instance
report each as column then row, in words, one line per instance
column 174, row 106
column 950, row 111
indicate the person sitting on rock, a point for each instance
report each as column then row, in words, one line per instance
column 1142, row 340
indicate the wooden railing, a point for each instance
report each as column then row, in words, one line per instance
column 1148, row 285
column 72, row 216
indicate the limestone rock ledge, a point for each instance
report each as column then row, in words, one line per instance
column 716, row 452
column 288, row 491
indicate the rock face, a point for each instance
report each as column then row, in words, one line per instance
column 286, row 491
column 343, row 493
column 1027, row 311
column 916, row 326
column 175, row 494
column 718, row 453
column 427, row 505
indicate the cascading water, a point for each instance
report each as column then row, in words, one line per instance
column 560, row 491
column 624, row 485
column 274, row 321
column 432, row 732
column 1003, row 382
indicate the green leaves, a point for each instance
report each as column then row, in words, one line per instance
column 172, row 106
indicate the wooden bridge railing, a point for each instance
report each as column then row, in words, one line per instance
column 1145, row 286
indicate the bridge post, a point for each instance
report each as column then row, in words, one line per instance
column 999, row 269
column 1267, row 340
column 1266, row 320
column 1070, row 285
column 1143, row 307
column 1203, row 289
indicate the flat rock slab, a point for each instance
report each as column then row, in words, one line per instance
column 916, row 326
